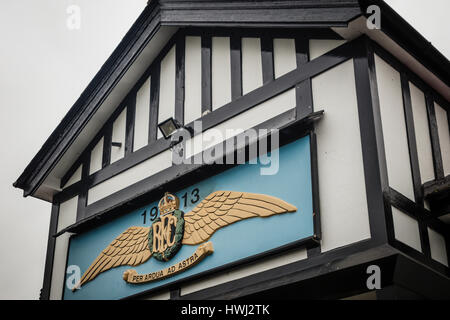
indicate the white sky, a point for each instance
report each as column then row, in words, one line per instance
column 44, row 67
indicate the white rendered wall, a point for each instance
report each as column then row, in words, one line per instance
column 118, row 135
column 318, row 48
column 67, row 216
column 193, row 79
column 96, row 157
column 220, row 71
column 135, row 174
column 444, row 136
column 343, row 204
column 284, row 57
column 422, row 131
column 406, row 229
column 142, row 116
column 244, row 271
column 251, row 64
column 437, row 246
column 67, row 213
column 394, row 128
column 166, row 108
column 75, row 177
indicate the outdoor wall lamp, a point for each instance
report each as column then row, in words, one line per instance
column 170, row 126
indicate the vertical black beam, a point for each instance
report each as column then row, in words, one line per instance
column 413, row 155
column 414, row 159
column 434, row 134
column 447, row 245
column 51, row 242
column 130, row 120
column 303, row 91
column 236, row 66
column 175, row 294
column 206, row 74
column 83, row 195
column 267, row 59
column 315, row 251
column 372, row 142
column 107, row 140
column 180, row 78
column 154, row 103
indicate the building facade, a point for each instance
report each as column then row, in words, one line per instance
column 343, row 126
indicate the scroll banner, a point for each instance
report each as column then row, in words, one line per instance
column 131, row 276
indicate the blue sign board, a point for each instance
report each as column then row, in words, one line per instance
column 235, row 242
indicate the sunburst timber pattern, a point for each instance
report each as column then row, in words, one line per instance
column 129, row 248
column 222, row 208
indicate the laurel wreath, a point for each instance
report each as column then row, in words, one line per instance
column 179, row 232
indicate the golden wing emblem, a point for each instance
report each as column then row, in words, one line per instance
column 129, row 248
column 222, row 208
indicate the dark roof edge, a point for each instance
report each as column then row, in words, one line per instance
column 411, row 40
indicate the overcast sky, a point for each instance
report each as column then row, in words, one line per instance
column 44, row 67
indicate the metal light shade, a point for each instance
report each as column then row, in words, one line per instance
column 168, row 127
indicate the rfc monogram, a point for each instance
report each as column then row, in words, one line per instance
column 173, row 228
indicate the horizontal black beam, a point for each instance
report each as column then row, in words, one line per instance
column 415, row 211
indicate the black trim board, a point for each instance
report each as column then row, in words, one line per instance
column 338, row 259
column 307, row 242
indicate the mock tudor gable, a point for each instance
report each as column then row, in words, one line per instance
column 351, row 158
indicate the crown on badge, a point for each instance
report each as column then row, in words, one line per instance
column 168, row 203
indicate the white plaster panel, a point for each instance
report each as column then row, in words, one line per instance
column 142, row 116
column 193, row 79
column 220, row 71
column 406, row 229
column 135, row 174
column 437, row 246
column 166, row 108
column 96, row 157
column 118, row 135
column 75, row 177
column 67, row 216
column 343, row 203
column 67, row 213
column 319, row 47
column 251, row 64
column 444, row 136
column 445, row 218
column 244, row 271
column 394, row 128
column 59, row 266
column 284, row 56
column 422, row 132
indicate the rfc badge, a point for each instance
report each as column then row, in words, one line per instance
column 172, row 229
